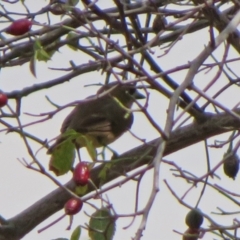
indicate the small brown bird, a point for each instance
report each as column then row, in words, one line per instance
column 101, row 118
column 159, row 23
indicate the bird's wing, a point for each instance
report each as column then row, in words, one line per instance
column 96, row 125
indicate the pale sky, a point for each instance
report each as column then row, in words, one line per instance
column 21, row 187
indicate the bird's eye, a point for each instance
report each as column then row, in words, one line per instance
column 131, row 91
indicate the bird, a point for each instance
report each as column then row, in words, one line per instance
column 101, row 118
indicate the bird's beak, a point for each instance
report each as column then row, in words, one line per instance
column 138, row 95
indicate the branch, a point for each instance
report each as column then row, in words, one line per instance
column 18, row 226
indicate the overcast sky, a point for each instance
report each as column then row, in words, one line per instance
column 21, row 187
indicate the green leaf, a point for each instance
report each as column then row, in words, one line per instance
column 62, row 158
column 73, row 40
column 81, row 190
column 76, row 233
column 103, row 223
column 103, row 173
column 73, row 2
column 91, row 149
column 42, row 55
column 39, row 53
column 88, row 142
column 37, row 45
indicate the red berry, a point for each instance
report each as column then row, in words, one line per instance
column 81, row 174
column 73, row 206
column 3, row 99
column 19, row 27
